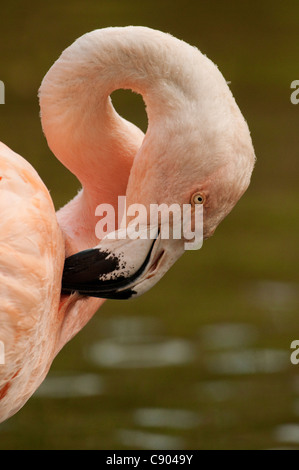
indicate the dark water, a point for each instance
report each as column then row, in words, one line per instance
column 203, row 360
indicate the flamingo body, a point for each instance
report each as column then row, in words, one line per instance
column 30, row 239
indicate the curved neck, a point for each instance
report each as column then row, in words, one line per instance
column 85, row 132
column 81, row 126
column 79, row 121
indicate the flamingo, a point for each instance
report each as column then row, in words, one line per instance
column 54, row 273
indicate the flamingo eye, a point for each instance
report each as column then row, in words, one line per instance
column 198, row 198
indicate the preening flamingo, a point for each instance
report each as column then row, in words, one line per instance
column 197, row 143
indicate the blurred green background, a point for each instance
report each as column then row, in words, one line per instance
column 202, row 361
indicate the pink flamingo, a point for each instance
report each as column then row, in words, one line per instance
column 197, row 149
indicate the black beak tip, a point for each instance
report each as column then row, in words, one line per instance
column 83, row 273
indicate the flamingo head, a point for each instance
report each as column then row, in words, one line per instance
column 191, row 171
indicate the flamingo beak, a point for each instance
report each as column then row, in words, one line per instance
column 120, row 268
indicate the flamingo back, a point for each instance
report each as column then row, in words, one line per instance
column 31, row 263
